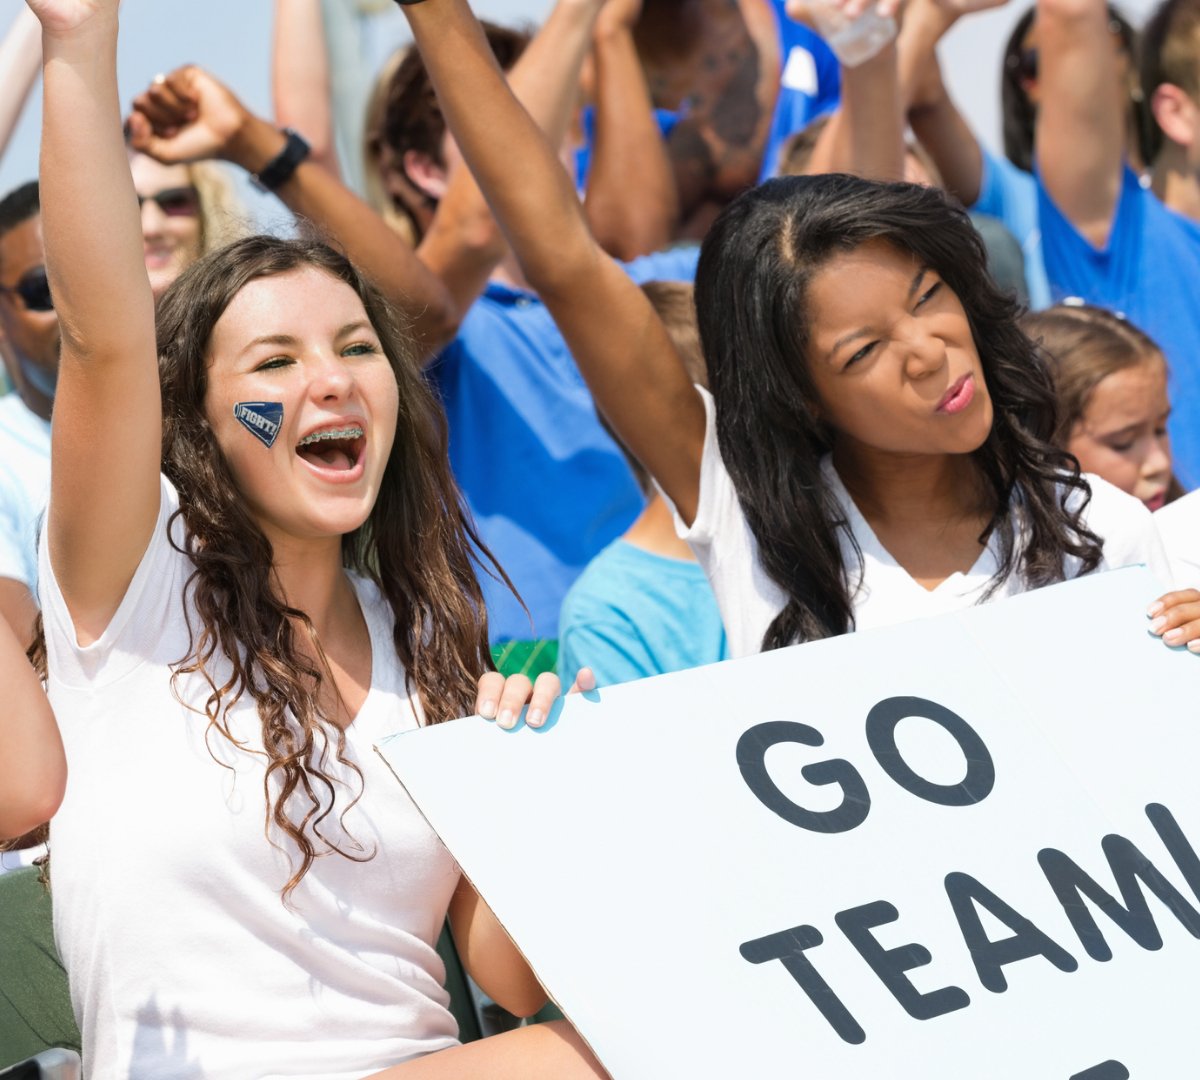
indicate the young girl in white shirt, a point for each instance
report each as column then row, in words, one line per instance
column 877, row 444
column 255, row 565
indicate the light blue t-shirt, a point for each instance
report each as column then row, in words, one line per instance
column 1010, row 195
column 633, row 614
column 1149, row 271
column 547, row 486
column 24, row 488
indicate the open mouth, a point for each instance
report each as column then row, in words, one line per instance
column 337, row 449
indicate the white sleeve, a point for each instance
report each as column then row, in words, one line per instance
column 1127, row 530
column 1179, row 526
column 717, row 506
column 146, row 624
column 15, row 546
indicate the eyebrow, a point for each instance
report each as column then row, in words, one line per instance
column 866, row 331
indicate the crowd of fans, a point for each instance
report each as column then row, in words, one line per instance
column 659, row 337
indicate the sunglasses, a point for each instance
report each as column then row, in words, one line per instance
column 174, row 202
column 34, row 290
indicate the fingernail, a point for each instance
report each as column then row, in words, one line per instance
column 1173, row 636
column 1194, row 645
column 1154, row 609
column 535, row 717
column 506, row 720
column 1158, row 624
column 488, row 710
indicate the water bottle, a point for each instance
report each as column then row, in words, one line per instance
column 853, row 41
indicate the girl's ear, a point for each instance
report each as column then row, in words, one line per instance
column 1177, row 114
column 425, row 173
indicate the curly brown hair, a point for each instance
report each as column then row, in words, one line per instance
column 418, row 546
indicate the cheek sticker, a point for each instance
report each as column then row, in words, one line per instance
column 262, row 419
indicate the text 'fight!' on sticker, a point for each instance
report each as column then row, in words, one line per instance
column 262, row 419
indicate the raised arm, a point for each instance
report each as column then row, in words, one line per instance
column 865, row 136
column 619, row 343
column 1080, row 133
column 33, row 770
column 632, row 203
column 107, row 431
column 932, row 113
column 464, row 242
column 191, row 116
column 301, row 88
column 20, row 62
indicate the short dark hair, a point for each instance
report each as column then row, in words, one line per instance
column 412, row 118
column 1170, row 53
column 18, row 206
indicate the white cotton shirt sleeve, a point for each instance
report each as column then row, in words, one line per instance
column 1127, row 531
column 726, row 548
column 1179, row 526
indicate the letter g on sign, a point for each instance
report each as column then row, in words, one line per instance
column 752, row 750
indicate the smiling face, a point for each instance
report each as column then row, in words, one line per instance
column 303, row 339
column 1122, row 436
column 171, row 228
column 892, row 357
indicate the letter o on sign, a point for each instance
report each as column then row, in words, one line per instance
column 881, row 736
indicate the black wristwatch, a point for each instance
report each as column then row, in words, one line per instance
column 280, row 168
column 409, row 3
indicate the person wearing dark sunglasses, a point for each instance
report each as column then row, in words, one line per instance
column 29, row 345
column 172, row 227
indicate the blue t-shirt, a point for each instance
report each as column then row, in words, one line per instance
column 1150, row 272
column 633, row 614
column 547, row 486
column 1010, row 195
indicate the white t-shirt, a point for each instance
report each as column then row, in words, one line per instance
column 1179, row 526
column 24, row 487
column 183, row 959
column 749, row 599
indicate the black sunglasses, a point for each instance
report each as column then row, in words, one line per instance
column 174, row 202
column 34, row 290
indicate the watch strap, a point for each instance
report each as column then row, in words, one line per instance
column 280, row 168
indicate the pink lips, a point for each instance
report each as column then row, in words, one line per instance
column 959, row 396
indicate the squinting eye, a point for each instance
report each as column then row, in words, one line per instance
column 274, row 362
column 929, row 293
column 363, row 348
column 860, row 355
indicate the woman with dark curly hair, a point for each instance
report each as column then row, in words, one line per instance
column 255, row 566
column 877, row 443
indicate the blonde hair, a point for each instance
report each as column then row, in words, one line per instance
column 223, row 218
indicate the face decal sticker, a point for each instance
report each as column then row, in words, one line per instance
column 262, row 419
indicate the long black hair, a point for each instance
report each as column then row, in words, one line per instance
column 752, row 283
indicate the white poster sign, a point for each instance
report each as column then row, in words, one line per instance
column 962, row 847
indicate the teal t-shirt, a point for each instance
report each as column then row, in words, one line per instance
column 632, row 614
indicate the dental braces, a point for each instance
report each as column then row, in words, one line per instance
column 337, row 433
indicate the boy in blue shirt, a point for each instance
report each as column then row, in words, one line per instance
column 1105, row 237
